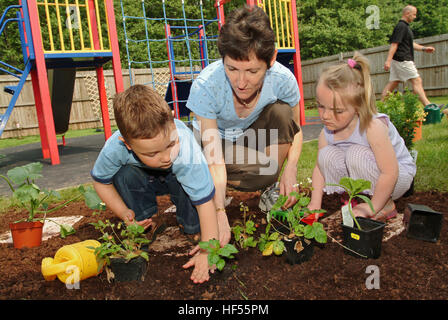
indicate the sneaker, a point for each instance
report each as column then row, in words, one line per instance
column 269, row 197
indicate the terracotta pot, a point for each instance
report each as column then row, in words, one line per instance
column 418, row 131
column 26, row 234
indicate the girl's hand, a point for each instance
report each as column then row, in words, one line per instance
column 363, row 210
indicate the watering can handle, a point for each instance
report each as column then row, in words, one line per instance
column 54, row 269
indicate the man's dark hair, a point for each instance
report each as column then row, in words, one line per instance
column 247, row 30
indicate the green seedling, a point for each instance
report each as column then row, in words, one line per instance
column 354, row 188
column 119, row 241
column 216, row 254
column 243, row 230
column 36, row 200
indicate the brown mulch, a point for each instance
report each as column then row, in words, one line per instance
column 409, row 269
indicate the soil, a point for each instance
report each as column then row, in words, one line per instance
column 408, row 268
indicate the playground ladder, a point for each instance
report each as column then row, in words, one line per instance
column 21, row 74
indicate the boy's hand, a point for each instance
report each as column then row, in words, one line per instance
column 129, row 218
column 201, row 268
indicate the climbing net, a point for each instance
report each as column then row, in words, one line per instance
column 174, row 46
column 94, row 98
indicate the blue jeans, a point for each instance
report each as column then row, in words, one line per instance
column 139, row 187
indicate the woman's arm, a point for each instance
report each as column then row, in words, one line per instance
column 213, row 153
column 318, row 180
column 289, row 176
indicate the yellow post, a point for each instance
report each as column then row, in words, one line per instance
column 50, row 32
column 67, row 13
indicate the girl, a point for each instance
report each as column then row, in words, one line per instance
column 357, row 141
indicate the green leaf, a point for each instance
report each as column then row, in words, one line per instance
column 308, row 232
column 274, row 236
column 131, row 255
column 204, row 245
column 278, row 247
column 213, row 258
column 144, row 255
column 92, row 200
column 250, row 242
column 269, row 248
column 368, row 201
column 220, row 264
column 30, row 171
column 66, row 230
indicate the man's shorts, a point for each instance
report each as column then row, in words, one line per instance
column 402, row 71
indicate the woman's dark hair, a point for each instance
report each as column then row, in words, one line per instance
column 247, row 30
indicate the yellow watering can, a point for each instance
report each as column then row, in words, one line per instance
column 72, row 263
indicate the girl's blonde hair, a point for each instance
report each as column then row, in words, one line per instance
column 351, row 80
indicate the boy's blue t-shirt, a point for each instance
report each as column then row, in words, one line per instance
column 190, row 166
column 211, row 97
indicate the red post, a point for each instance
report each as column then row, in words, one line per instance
column 45, row 113
column 40, row 118
column 298, row 61
column 116, row 64
column 100, row 72
column 219, row 5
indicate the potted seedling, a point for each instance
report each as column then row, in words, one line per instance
column 27, row 232
column 121, row 250
column 286, row 231
column 243, row 230
column 365, row 239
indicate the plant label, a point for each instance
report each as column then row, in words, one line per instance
column 347, row 219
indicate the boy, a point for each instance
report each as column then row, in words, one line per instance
column 153, row 154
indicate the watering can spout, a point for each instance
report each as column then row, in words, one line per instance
column 72, row 263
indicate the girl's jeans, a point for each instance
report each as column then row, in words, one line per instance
column 139, row 187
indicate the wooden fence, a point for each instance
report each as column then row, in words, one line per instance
column 433, row 69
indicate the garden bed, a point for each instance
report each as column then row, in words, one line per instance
column 409, row 269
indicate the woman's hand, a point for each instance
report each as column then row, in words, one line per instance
column 288, row 183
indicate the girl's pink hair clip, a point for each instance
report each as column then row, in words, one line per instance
column 352, row 63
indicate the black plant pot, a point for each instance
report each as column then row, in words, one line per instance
column 133, row 270
column 298, row 250
column 366, row 242
column 422, row 223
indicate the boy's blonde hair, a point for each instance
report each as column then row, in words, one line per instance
column 141, row 113
column 351, row 80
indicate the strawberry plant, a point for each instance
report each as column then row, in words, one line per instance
column 119, row 241
column 288, row 225
column 216, row 254
column 243, row 230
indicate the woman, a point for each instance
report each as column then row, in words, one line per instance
column 246, row 108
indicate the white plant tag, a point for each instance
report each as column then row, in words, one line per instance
column 347, row 219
